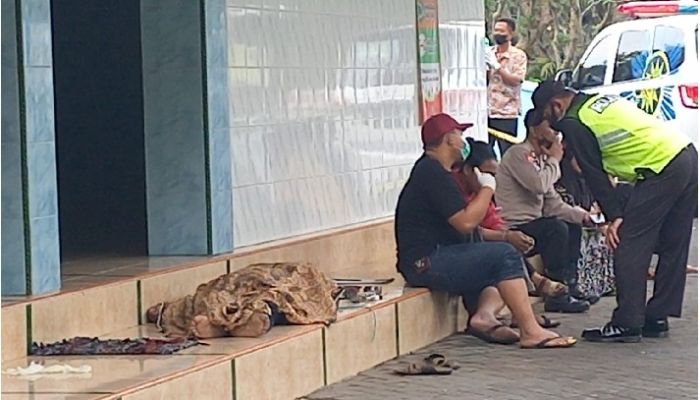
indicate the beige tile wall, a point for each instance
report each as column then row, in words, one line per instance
column 171, row 286
column 365, row 252
column 425, row 319
column 210, row 383
column 359, row 343
column 14, row 332
column 90, row 312
column 281, row 372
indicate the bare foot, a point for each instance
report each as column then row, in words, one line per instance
column 485, row 323
column 547, row 287
column 203, row 329
column 532, row 340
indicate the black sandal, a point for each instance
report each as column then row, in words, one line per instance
column 546, row 323
column 441, row 361
column 488, row 337
column 423, row 368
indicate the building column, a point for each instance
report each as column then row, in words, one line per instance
column 30, row 243
column 188, row 170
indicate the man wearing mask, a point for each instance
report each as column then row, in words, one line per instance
column 611, row 136
column 432, row 227
column 530, row 204
column 507, row 67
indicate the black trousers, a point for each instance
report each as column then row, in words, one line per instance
column 658, row 217
column 508, row 126
column 559, row 245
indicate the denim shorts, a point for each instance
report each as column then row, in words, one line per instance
column 466, row 269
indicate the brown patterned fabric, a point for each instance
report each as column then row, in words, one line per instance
column 239, row 303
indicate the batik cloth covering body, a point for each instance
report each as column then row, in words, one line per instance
column 300, row 292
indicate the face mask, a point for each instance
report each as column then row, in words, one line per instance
column 553, row 118
column 466, row 149
column 500, row 39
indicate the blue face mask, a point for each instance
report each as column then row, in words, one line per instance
column 466, row 149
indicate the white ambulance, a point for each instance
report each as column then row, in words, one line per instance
column 651, row 60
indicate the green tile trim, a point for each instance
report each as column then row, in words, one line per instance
column 23, row 148
column 398, row 336
column 28, row 313
column 325, row 356
column 139, row 305
column 233, row 378
column 205, row 122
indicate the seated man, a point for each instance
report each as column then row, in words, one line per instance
column 493, row 227
column 433, row 222
column 531, row 204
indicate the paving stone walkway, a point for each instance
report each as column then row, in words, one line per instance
column 653, row 369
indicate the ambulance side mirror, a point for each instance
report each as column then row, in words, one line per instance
column 565, row 76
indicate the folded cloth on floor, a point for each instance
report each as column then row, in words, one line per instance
column 39, row 369
column 240, row 303
column 79, row 346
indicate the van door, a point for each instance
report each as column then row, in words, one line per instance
column 593, row 72
column 645, row 64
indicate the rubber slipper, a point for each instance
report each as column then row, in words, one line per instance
column 441, row 361
column 550, row 288
column 546, row 344
column 546, row 323
column 423, row 368
column 488, row 337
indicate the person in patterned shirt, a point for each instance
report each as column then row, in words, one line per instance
column 507, row 67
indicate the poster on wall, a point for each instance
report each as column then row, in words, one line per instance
column 428, row 59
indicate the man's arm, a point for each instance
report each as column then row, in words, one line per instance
column 468, row 219
column 555, row 206
column 520, row 165
column 517, row 75
column 585, row 148
column 444, row 197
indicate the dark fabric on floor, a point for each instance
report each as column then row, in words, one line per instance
column 80, row 346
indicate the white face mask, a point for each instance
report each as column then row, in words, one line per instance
column 466, row 149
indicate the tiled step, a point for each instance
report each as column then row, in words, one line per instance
column 287, row 362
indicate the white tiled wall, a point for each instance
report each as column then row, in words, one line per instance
column 462, row 60
column 323, row 112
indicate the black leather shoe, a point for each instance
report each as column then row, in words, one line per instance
column 611, row 333
column 655, row 328
column 565, row 304
column 591, row 299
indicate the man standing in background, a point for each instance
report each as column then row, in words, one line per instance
column 507, row 67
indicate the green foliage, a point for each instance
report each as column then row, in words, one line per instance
column 553, row 33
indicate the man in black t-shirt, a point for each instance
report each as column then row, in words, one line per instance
column 432, row 226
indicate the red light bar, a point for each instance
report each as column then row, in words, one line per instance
column 658, row 8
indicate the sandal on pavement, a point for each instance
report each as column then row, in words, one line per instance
column 550, row 288
column 488, row 337
column 547, row 343
column 441, row 361
column 423, row 368
column 545, row 323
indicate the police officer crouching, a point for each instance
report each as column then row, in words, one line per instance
column 609, row 135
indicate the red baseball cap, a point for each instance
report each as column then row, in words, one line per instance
column 439, row 125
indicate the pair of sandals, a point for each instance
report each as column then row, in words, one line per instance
column 489, row 336
column 434, row 364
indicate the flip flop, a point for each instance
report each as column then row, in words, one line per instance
column 546, row 323
column 423, row 368
column 441, row 361
column 488, row 337
column 546, row 288
column 545, row 344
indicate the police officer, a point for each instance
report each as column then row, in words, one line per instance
column 609, row 135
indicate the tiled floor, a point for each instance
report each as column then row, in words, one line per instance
column 86, row 272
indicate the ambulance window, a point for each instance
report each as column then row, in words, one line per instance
column 592, row 70
column 669, row 50
column 633, row 52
